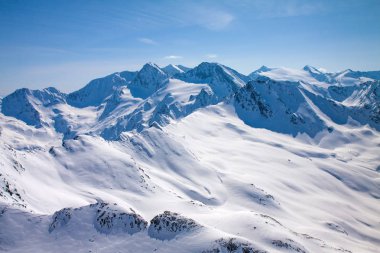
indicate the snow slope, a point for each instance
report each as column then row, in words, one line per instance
column 223, row 81
column 171, row 69
column 258, row 72
column 97, row 90
column 200, row 162
column 312, row 75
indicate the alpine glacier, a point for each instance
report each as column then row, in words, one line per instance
column 203, row 159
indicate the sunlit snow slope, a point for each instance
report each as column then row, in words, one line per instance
column 194, row 160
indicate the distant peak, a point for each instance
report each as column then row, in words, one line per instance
column 172, row 69
column 22, row 90
column 310, row 68
column 149, row 66
column 52, row 90
column 205, row 63
column 171, row 66
column 209, row 65
column 264, row 69
column 258, row 71
column 344, row 72
column 183, row 68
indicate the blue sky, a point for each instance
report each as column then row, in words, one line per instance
column 67, row 43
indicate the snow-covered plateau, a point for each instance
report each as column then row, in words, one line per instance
column 201, row 159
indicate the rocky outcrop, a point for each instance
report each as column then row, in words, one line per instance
column 60, row 219
column 168, row 225
column 232, row 245
column 109, row 220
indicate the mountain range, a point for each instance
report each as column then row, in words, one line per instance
column 201, row 159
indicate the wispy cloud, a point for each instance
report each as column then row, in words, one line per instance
column 290, row 8
column 173, row 57
column 187, row 14
column 147, row 41
column 211, row 56
column 210, row 18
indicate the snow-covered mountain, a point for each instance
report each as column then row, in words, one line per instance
column 258, row 71
column 368, row 74
column 318, row 74
column 222, row 80
column 194, row 160
column 27, row 105
column 148, row 80
column 94, row 93
column 172, row 69
column 313, row 75
column 280, row 106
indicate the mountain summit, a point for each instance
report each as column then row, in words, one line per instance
column 258, row 71
column 148, row 80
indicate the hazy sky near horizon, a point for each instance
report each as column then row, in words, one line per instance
column 67, row 43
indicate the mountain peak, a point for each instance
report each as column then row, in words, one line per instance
column 209, row 65
column 148, row 80
column 24, row 104
column 151, row 65
column 150, row 68
column 258, row 71
column 263, row 69
column 312, row 69
column 172, row 69
column 97, row 90
column 346, row 71
column 222, row 80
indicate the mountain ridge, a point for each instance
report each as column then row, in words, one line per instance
column 122, row 90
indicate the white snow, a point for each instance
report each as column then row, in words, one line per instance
column 227, row 185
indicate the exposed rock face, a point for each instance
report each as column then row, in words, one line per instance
column 232, row 245
column 60, row 219
column 24, row 104
column 109, row 220
column 168, row 225
column 361, row 103
column 147, row 81
column 261, row 197
column 289, row 245
column 278, row 106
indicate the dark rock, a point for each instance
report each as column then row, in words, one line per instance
column 60, row 219
column 167, row 225
column 110, row 219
